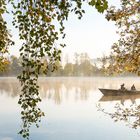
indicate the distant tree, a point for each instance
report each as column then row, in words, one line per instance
column 103, row 61
column 59, row 69
column 76, row 58
column 67, row 60
column 85, row 67
column 15, row 66
column 76, row 65
column 68, row 69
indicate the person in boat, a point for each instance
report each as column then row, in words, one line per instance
column 133, row 87
column 122, row 87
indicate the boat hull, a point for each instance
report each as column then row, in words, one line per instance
column 113, row 92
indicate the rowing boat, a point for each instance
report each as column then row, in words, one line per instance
column 115, row 92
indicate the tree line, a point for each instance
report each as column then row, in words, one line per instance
column 82, row 65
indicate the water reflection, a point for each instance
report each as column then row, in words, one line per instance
column 125, row 109
column 53, row 88
column 130, row 114
column 72, row 102
column 122, row 99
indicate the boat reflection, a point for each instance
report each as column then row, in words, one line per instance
column 120, row 98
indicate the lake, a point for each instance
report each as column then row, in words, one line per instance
column 74, row 110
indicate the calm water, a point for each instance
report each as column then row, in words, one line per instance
column 72, row 111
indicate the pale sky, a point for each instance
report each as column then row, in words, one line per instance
column 92, row 34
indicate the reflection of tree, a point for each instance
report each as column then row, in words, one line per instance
column 57, row 92
column 54, row 89
column 10, row 87
column 57, row 89
column 130, row 115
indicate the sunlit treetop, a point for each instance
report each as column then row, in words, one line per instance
column 126, row 52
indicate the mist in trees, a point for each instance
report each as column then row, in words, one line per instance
column 82, row 65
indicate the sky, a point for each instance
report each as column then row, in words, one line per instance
column 93, row 34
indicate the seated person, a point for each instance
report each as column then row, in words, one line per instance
column 133, row 87
column 122, row 87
